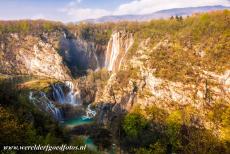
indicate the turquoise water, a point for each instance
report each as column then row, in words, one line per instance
column 81, row 121
column 89, row 142
column 77, row 122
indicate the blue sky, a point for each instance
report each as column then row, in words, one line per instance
column 76, row 10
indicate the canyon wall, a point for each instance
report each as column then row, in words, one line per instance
column 60, row 54
column 80, row 54
column 32, row 55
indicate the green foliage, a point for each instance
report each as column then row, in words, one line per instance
column 178, row 47
column 21, row 122
column 134, row 124
column 156, row 148
column 174, row 122
column 29, row 26
column 178, row 132
column 24, row 26
column 225, row 122
column 102, row 138
column 98, row 33
column 156, row 114
column 226, row 117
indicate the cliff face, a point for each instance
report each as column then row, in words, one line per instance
column 56, row 54
column 136, row 83
column 170, row 69
column 81, row 55
column 32, row 55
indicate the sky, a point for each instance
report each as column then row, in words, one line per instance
column 77, row 10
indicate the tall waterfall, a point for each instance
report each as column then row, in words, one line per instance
column 119, row 44
column 71, row 97
column 40, row 99
column 112, row 51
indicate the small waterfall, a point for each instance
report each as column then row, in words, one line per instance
column 96, row 58
column 89, row 113
column 71, row 97
column 58, row 94
column 40, row 99
column 64, row 35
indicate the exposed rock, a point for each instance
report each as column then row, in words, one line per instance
column 30, row 55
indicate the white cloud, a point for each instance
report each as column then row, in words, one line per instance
column 86, row 13
column 76, row 12
column 150, row 6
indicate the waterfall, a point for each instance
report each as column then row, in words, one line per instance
column 112, row 51
column 89, row 113
column 119, row 44
column 58, row 94
column 40, row 99
column 96, row 58
column 71, row 97
column 64, row 35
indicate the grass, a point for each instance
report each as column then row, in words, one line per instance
column 38, row 84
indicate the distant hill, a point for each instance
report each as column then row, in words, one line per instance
column 159, row 14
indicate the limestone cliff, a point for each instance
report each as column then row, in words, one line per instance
column 136, row 83
column 32, row 54
column 80, row 54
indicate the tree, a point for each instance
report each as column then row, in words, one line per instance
column 134, row 124
column 174, row 122
column 177, row 17
column 24, row 26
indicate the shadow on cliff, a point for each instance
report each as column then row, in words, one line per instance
column 80, row 55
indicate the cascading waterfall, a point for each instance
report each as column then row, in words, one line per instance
column 58, row 94
column 71, row 97
column 40, row 99
column 89, row 113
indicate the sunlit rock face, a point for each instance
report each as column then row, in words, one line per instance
column 32, row 55
column 119, row 44
column 60, row 54
column 152, row 89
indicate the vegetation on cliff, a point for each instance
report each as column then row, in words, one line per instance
column 177, row 51
column 179, row 48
